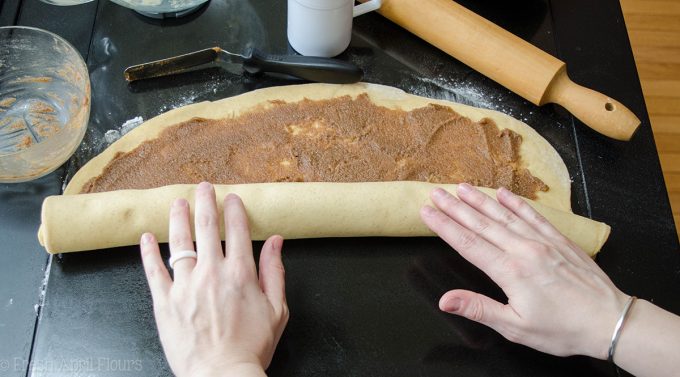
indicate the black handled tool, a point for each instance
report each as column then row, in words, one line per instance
column 310, row 68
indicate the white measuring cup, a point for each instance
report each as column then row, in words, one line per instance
column 323, row 27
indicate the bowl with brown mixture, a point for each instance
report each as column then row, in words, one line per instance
column 44, row 102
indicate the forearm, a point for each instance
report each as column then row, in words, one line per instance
column 649, row 342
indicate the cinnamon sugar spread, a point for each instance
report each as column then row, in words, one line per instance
column 335, row 140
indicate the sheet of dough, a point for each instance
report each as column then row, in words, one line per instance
column 293, row 210
column 537, row 154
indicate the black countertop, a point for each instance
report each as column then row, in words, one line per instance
column 359, row 306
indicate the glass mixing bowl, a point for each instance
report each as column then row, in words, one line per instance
column 44, row 102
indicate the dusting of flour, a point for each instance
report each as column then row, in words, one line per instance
column 460, row 91
column 112, row 135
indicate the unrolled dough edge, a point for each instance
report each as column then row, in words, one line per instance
column 538, row 155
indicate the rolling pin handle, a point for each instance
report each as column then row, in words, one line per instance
column 605, row 115
column 509, row 60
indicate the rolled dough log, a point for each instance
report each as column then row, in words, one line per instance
column 293, row 210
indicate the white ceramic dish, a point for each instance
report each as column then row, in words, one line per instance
column 160, row 6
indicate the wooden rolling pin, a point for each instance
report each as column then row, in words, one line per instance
column 512, row 62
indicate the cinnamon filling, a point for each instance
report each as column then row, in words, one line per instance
column 335, row 140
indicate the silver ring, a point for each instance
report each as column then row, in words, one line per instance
column 179, row 255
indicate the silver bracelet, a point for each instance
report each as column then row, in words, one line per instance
column 619, row 327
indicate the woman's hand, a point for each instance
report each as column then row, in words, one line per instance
column 216, row 317
column 559, row 300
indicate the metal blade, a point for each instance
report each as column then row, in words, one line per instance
column 230, row 57
column 231, row 61
column 173, row 65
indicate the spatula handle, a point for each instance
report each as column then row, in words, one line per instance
column 326, row 70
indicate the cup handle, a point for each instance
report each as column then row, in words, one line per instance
column 366, row 7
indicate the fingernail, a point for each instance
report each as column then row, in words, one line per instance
column 180, row 202
column 231, row 200
column 205, row 186
column 464, row 188
column 451, row 305
column 429, row 211
column 147, row 238
column 278, row 243
column 504, row 194
column 440, row 193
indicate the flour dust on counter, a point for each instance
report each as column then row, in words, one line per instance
column 112, row 135
column 43, row 287
column 465, row 92
column 204, row 92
